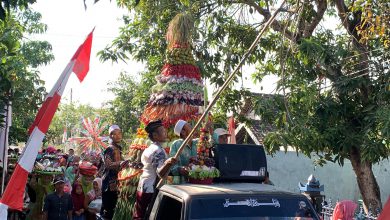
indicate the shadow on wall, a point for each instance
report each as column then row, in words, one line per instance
column 287, row 170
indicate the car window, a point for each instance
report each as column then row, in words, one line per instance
column 169, row 209
column 263, row 208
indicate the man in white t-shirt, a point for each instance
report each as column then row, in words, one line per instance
column 156, row 164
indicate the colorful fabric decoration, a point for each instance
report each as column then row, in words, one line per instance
column 170, row 114
column 91, row 140
column 87, row 169
column 183, row 70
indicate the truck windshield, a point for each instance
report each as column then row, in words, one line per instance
column 255, row 207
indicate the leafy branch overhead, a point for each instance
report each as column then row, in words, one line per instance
column 20, row 59
column 7, row 5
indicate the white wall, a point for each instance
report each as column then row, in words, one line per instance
column 287, row 169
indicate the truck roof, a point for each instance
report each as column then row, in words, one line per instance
column 186, row 190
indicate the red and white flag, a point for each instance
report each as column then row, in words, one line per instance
column 13, row 195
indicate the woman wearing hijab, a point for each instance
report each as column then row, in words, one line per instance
column 78, row 199
column 113, row 162
column 72, row 172
column 92, row 195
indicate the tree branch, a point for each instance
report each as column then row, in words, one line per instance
column 321, row 8
column 350, row 26
column 301, row 22
column 276, row 25
column 343, row 13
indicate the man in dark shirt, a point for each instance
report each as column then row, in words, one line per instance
column 58, row 205
column 113, row 163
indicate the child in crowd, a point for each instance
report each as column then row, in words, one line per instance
column 78, row 198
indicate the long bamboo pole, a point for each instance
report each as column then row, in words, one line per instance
column 223, row 87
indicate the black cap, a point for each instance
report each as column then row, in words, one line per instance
column 58, row 179
column 153, row 125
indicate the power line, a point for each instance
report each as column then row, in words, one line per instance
column 379, row 55
column 356, row 55
column 346, row 79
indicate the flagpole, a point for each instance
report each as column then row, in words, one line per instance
column 5, row 149
column 13, row 195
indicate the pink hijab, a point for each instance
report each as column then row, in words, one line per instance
column 344, row 210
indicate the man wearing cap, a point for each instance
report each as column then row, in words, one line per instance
column 156, row 165
column 113, row 162
column 58, row 205
column 220, row 136
column 179, row 171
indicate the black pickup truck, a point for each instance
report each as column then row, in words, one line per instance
column 232, row 201
column 238, row 193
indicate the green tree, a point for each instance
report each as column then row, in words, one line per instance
column 126, row 107
column 334, row 87
column 375, row 21
column 6, row 6
column 69, row 117
column 20, row 82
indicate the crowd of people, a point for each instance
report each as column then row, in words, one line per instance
column 67, row 193
column 88, row 185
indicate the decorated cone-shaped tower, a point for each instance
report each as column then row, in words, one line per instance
column 178, row 94
column 179, row 89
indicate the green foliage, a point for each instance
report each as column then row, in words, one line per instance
column 127, row 105
column 20, row 82
column 333, row 92
column 7, row 5
column 326, row 106
column 331, row 120
column 145, row 42
column 70, row 116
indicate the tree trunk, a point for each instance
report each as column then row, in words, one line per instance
column 367, row 183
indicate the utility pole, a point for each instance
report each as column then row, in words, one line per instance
column 7, row 124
